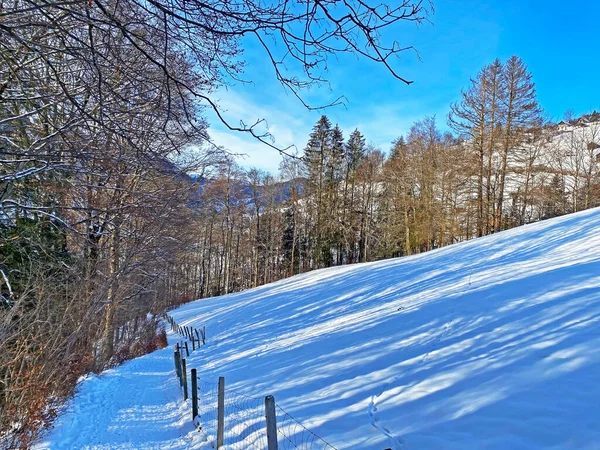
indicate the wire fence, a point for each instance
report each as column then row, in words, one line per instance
column 206, row 420
column 244, row 421
column 246, row 424
column 292, row 434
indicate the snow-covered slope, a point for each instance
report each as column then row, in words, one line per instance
column 489, row 344
column 494, row 343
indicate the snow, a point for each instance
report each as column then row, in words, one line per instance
column 135, row 406
column 487, row 344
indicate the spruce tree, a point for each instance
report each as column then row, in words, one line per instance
column 316, row 154
column 355, row 155
column 334, row 199
column 399, row 149
column 355, row 150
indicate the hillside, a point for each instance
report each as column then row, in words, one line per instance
column 487, row 344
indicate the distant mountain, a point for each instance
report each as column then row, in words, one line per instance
column 282, row 190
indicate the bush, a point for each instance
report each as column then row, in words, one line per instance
column 161, row 339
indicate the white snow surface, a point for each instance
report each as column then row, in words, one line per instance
column 488, row 344
column 135, row 406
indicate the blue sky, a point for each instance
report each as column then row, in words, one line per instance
column 556, row 41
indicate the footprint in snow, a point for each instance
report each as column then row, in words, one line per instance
column 397, row 443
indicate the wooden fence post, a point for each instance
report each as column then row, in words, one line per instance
column 198, row 336
column 194, row 394
column 204, row 335
column 184, row 379
column 178, row 365
column 271, row 416
column 193, row 343
column 187, row 350
column 221, row 412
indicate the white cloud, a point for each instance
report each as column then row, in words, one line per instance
column 288, row 126
column 289, row 123
column 252, row 153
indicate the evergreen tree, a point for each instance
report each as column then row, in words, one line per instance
column 316, row 154
column 554, row 198
column 336, row 157
column 333, row 200
column 399, row 149
column 291, row 249
column 355, row 150
column 398, row 191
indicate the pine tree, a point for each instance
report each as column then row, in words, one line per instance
column 334, row 177
column 355, row 155
column 316, row 154
column 555, row 198
column 398, row 176
column 291, row 249
column 355, row 150
column 399, row 149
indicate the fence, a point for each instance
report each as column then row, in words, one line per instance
column 233, row 420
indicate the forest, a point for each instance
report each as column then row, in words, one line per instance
column 344, row 201
column 115, row 205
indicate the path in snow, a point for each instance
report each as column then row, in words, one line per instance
column 135, row 406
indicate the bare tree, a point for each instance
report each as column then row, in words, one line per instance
column 470, row 118
column 521, row 114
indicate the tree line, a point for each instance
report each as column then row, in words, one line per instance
column 89, row 202
column 344, row 201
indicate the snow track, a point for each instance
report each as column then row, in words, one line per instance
column 396, row 443
column 135, row 406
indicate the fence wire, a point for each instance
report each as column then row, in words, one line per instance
column 292, row 435
column 245, row 422
column 206, row 420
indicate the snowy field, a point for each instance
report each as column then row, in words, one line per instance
column 489, row 344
